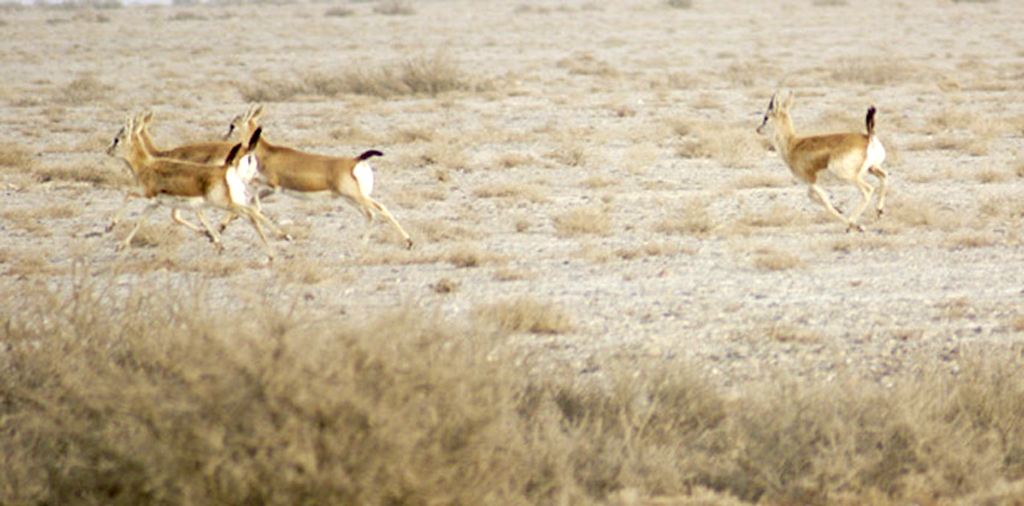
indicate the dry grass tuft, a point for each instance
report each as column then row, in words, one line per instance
column 582, row 221
column 444, row 286
column 83, row 91
column 15, row 157
column 420, row 75
column 771, row 259
column 524, row 315
column 691, row 218
column 394, row 8
column 466, row 255
column 514, row 191
column 120, row 398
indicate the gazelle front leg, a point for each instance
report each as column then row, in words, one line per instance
column 124, row 205
column 818, row 195
column 142, row 217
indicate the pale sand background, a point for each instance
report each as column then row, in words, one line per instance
column 697, row 246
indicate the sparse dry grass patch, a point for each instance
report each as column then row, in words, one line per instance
column 784, row 332
column 420, row 75
column 34, row 220
column 762, row 180
column 731, row 144
column 302, row 271
column 918, row 212
column 466, row 255
column 970, row 238
column 691, row 218
column 394, row 8
column 771, row 259
column 876, row 70
column 583, row 221
column 436, row 231
column 14, row 157
column 516, row 191
column 82, row 91
column 776, row 215
column 524, row 314
column 639, row 158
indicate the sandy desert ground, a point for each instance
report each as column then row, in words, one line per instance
column 596, row 160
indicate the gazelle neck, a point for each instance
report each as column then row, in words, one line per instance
column 783, row 135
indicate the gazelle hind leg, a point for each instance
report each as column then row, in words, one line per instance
column 818, row 195
column 255, row 217
column 228, row 218
column 384, row 212
column 883, row 185
column 866, row 191
column 176, row 217
column 210, row 232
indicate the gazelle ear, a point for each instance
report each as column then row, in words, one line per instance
column 254, row 140
column 789, row 101
column 232, row 154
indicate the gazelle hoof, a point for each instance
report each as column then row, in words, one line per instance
column 854, row 226
column 408, row 244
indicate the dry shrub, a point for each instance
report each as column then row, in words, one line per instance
column 691, row 218
column 466, row 255
column 580, row 221
column 155, row 395
column 82, row 91
column 524, row 315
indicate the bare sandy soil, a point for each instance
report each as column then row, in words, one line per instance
column 597, row 159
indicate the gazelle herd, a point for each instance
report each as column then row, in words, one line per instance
column 235, row 176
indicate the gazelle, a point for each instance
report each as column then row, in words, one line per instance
column 205, row 153
column 191, row 185
column 288, row 170
column 847, row 155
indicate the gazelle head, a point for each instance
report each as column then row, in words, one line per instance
column 778, row 111
column 244, row 123
column 124, row 136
